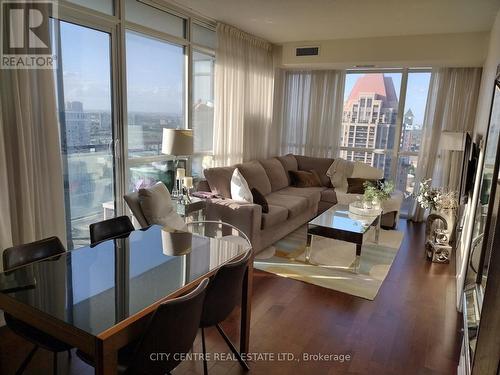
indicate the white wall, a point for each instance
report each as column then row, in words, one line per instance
column 461, row 49
column 480, row 128
column 488, row 78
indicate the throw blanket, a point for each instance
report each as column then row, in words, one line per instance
column 338, row 172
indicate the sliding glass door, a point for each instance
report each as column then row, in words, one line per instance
column 85, row 106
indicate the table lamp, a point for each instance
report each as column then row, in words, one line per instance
column 179, row 143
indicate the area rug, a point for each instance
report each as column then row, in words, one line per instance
column 339, row 269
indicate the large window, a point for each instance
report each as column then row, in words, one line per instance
column 114, row 106
column 155, row 92
column 369, row 120
column 379, row 129
column 411, row 134
column 84, row 98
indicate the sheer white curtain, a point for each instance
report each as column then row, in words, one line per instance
column 244, row 78
column 451, row 106
column 32, row 198
column 311, row 110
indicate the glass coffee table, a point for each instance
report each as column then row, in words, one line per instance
column 340, row 224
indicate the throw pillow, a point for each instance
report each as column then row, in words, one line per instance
column 362, row 170
column 158, row 208
column 259, row 199
column 239, row 188
column 356, row 185
column 338, row 172
column 303, row 179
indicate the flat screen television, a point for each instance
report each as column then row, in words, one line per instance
column 469, row 165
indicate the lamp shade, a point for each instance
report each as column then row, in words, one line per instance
column 176, row 243
column 177, row 142
column 452, row 141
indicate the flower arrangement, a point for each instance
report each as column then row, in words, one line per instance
column 379, row 192
column 435, row 198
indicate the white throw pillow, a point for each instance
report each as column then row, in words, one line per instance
column 239, row 188
column 158, row 208
column 362, row 170
column 338, row 172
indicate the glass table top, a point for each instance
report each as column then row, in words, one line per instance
column 94, row 288
column 340, row 218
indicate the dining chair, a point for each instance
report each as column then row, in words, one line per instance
column 172, row 330
column 111, row 228
column 223, row 295
column 18, row 256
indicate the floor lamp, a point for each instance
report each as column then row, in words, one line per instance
column 179, row 143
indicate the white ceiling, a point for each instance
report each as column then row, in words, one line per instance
column 282, row 21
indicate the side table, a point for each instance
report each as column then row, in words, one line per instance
column 191, row 211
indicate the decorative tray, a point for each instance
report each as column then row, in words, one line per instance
column 358, row 209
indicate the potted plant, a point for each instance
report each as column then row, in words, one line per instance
column 438, row 200
column 376, row 194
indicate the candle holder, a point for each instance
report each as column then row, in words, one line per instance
column 187, row 186
column 180, row 173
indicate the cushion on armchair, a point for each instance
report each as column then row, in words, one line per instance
column 158, row 208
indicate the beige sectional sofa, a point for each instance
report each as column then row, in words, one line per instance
column 289, row 207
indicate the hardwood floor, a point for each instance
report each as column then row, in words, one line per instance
column 411, row 327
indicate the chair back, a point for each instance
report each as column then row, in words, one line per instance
column 132, row 200
column 172, row 330
column 111, row 228
column 224, row 291
column 21, row 255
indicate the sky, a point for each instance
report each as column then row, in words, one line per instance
column 155, row 71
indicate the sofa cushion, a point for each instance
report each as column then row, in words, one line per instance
column 258, row 198
column 312, row 194
column 219, row 180
column 256, row 176
column 305, row 179
column 296, row 205
column 240, row 191
column 320, row 165
column 276, row 215
column 276, row 173
column 356, row 185
column 329, row 195
column 289, row 164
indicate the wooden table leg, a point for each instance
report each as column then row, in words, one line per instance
column 246, row 307
column 106, row 359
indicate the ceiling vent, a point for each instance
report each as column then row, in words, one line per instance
column 307, row 51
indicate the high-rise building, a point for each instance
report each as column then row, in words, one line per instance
column 77, row 126
column 369, row 119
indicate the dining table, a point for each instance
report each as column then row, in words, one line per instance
column 99, row 298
